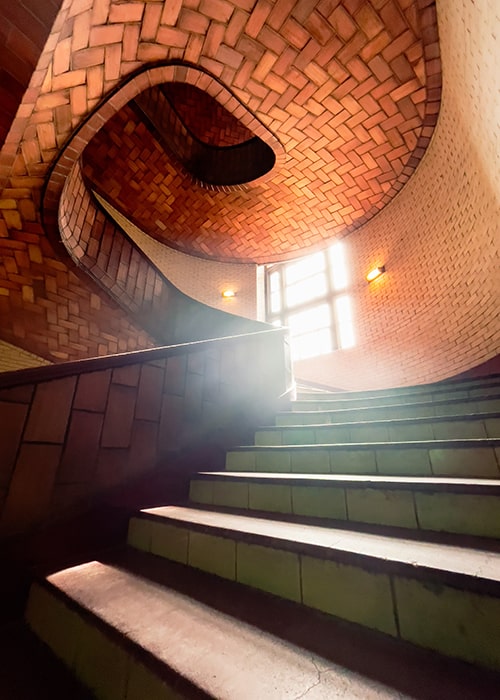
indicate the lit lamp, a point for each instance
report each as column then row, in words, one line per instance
column 228, row 294
column 376, row 272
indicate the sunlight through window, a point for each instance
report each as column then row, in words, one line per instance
column 304, row 295
column 344, row 321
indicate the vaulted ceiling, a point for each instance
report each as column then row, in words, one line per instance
column 350, row 90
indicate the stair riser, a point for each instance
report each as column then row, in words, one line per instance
column 323, row 415
column 319, row 404
column 400, row 461
column 452, row 621
column 428, row 430
column 459, row 513
column 108, row 669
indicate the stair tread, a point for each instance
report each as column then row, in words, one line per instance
column 438, row 557
column 464, row 385
column 184, row 633
column 383, row 421
column 402, row 391
column 381, row 407
column 490, row 485
column 399, row 444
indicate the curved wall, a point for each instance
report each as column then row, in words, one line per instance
column 203, row 280
column 435, row 312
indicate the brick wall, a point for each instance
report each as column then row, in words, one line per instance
column 119, row 418
column 435, row 311
column 24, row 28
column 205, row 117
column 447, row 215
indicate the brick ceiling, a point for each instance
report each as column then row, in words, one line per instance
column 351, row 90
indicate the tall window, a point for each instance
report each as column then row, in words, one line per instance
column 309, row 296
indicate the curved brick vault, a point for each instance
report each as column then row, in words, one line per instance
column 354, row 123
column 351, row 89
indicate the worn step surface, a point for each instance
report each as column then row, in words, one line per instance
column 382, row 583
column 468, row 458
column 352, row 662
column 161, row 643
column 461, row 506
column 483, row 425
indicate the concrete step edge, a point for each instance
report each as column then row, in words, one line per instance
column 373, row 481
column 365, row 660
column 419, row 405
column 491, row 380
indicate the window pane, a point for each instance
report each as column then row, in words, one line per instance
column 309, row 320
column 275, row 301
column 338, row 266
column 344, row 322
column 305, row 290
column 304, row 268
column 311, row 344
column 274, row 281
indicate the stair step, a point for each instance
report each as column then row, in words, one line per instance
column 359, row 664
column 482, row 425
column 474, row 385
column 416, row 410
column 440, row 597
column 128, row 637
column 467, row 458
column 462, row 506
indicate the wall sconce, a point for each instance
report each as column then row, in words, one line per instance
column 228, row 294
column 376, row 272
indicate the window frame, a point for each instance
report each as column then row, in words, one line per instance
column 329, row 297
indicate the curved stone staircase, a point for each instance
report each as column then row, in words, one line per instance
column 353, row 551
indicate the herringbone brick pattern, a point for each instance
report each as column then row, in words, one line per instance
column 205, row 118
column 350, row 88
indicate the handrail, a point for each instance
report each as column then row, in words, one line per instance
column 94, row 364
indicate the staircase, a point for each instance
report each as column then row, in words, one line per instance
column 353, row 551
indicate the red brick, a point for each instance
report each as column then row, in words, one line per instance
column 126, row 12
column 171, row 12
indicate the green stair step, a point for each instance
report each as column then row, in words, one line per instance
column 467, row 458
column 128, row 638
column 435, row 596
column 474, row 385
column 416, row 410
column 461, row 506
column 483, row 425
column 240, row 643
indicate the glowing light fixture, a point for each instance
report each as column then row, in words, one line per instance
column 228, row 294
column 376, row 272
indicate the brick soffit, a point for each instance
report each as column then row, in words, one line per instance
column 348, row 92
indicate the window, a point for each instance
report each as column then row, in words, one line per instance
column 309, row 296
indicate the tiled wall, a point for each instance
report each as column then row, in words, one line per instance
column 434, row 313
column 70, row 432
